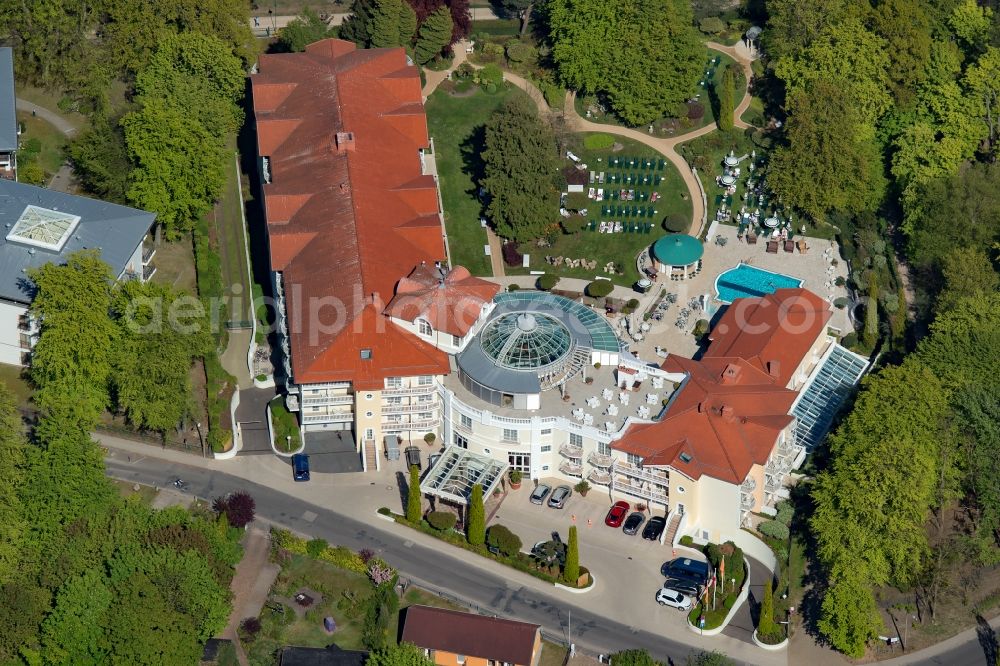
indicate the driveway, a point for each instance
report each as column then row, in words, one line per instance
column 331, row 452
column 251, row 415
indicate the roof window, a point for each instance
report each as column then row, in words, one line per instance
column 366, row 354
column 686, row 457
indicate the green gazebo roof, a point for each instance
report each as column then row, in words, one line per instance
column 678, row 250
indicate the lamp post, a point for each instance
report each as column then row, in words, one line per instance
column 201, row 440
column 288, row 442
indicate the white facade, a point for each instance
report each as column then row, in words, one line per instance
column 18, row 333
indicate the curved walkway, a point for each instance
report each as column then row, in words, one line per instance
column 64, row 126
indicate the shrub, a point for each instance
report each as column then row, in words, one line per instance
column 729, row 601
column 414, row 505
column 711, row 25
column 490, row 75
column 430, row 437
column 464, row 71
column 773, row 528
column 518, row 51
column 548, row 281
column 385, row 511
column 442, row 520
column 600, row 288
column 516, row 475
column 687, row 541
column 714, row 554
column 633, row 303
column 571, row 571
column 344, row 558
column 700, row 328
column 249, row 628
column 598, row 141
column 840, row 302
column 766, row 627
column 315, row 547
column 695, row 111
column 840, row 281
column 676, row 222
column 504, row 540
column 513, row 287
column 785, row 511
column 582, row 487
column 850, row 340
column 476, row 517
column 238, row 508
column 511, row 255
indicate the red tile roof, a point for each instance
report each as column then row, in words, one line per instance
column 471, row 635
column 728, row 414
column 348, row 209
column 772, row 332
column 449, row 302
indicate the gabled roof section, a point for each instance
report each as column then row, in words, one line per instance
column 8, row 112
column 348, row 208
column 773, row 332
column 728, row 415
column 449, row 301
column 471, row 635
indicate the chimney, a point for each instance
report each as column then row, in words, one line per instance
column 774, row 368
column 727, row 412
column 730, row 374
column 344, row 141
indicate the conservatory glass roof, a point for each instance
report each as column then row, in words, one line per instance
column 458, row 470
column 43, row 227
column 822, row 397
column 526, row 340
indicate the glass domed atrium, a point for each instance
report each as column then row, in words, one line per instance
column 526, row 341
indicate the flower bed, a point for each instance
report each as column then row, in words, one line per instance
column 728, row 595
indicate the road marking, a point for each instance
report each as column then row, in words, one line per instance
column 407, row 544
column 308, row 516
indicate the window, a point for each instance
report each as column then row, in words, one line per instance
column 425, row 380
column 520, row 461
column 460, row 441
column 575, row 439
column 546, row 448
column 456, row 341
column 369, row 396
column 509, row 435
column 369, row 414
column 425, row 327
column 680, row 490
column 394, row 382
column 395, row 400
column 634, row 460
column 546, row 431
column 315, row 409
column 366, row 354
column 545, row 468
column 685, row 457
column 425, row 398
column 466, row 421
column 424, row 416
column 604, row 449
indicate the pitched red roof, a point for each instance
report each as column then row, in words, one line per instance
column 772, row 332
column 449, row 301
column 728, row 414
column 348, row 209
column 490, row 638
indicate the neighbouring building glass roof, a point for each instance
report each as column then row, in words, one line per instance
column 822, row 397
column 43, row 227
column 525, row 341
column 458, row 470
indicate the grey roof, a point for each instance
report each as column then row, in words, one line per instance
column 115, row 230
column 8, row 115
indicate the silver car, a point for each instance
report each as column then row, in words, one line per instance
column 559, row 497
column 539, row 494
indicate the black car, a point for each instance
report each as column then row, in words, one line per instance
column 685, row 568
column 684, row 585
column 633, row 523
column 300, row 467
column 654, row 528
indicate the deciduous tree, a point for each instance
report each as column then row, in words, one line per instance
column 404, row 654
column 305, row 29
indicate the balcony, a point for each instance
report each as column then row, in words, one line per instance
column 400, row 426
column 571, row 469
column 410, row 409
column 571, row 451
column 599, row 477
column 633, row 472
column 409, row 390
column 600, row 460
column 147, row 255
column 335, row 417
column 148, row 272
column 328, row 400
column 747, row 501
column 654, row 494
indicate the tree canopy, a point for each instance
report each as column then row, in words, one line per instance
column 434, row 35
column 305, row 29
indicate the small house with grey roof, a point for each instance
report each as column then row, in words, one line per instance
column 42, row 226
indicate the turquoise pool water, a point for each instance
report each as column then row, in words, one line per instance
column 744, row 281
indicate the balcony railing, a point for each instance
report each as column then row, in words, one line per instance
column 657, row 476
column 328, row 400
column 335, row 417
column 410, row 409
column 409, row 390
column 147, row 254
column 571, row 469
column 600, row 460
column 399, row 426
column 599, row 477
column 571, row 451
column 148, row 272
column 644, row 493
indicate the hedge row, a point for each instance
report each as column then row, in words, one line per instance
column 338, row 556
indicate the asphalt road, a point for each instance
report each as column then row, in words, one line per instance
column 437, row 569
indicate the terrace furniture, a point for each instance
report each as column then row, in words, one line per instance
column 803, row 246
column 607, row 393
column 578, row 414
column 623, row 398
column 772, row 247
column 643, row 412
column 789, row 245
column 657, row 382
column 751, row 239
column 610, row 426
column 612, row 410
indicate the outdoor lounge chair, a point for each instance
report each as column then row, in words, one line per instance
column 789, row 245
column 772, row 247
column 803, row 246
column 751, row 238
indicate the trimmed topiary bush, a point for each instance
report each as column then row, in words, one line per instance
column 504, row 540
column 548, row 281
column 441, row 520
column 598, row 141
column 711, row 25
column 600, row 288
column 840, row 302
column 785, row 511
column 773, row 528
column 850, row 340
column 676, row 223
column 701, row 328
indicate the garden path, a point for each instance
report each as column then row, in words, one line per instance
column 250, row 585
column 62, row 180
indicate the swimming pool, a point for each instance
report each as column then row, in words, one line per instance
column 744, row 281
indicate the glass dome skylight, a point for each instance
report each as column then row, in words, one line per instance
column 43, row 227
column 525, row 341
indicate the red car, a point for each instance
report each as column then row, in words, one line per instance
column 617, row 514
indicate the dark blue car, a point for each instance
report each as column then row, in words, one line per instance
column 300, row 467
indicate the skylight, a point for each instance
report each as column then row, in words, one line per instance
column 43, row 227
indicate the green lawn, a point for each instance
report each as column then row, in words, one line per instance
column 13, row 378
column 146, row 494
column 285, row 425
column 40, row 142
column 715, row 62
column 580, row 243
column 50, row 99
column 553, row 654
column 754, row 114
column 227, row 226
column 344, row 595
column 456, row 123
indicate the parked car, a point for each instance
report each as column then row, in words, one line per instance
column 300, row 467
column 539, row 494
column 559, row 497
column 617, row 514
column 668, row 597
column 685, row 568
column 688, row 587
column 633, row 523
column 654, row 528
